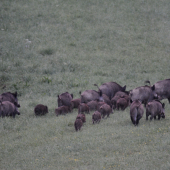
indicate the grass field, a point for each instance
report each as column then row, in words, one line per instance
column 50, row 47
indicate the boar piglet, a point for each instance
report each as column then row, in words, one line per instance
column 136, row 111
column 75, row 103
column 155, row 108
column 82, row 117
column 62, row 110
column 105, row 110
column 83, row 108
column 96, row 117
column 78, row 124
column 122, row 103
column 93, row 105
column 40, row 109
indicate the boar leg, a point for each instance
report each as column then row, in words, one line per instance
column 169, row 99
column 154, row 117
column 132, row 119
column 159, row 116
column 151, row 117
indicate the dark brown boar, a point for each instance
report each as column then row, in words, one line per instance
column 11, row 97
column 83, row 108
column 82, row 117
column 89, row 95
column 78, row 124
column 64, row 99
column 114, row 101
column 93, row 105
column 136, row 111
column 111, row 88
column 8, row 109
column 75, row 103
column 142, row 93
column 122, row 103
column 40, row 110
column 105, row 110
column 99, row 105
column 62, row 110
column 96, row 117
column 155, row 108
column 161, row 89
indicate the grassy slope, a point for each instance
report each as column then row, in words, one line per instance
column 75, row 44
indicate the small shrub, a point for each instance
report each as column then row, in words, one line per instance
column 47, row 51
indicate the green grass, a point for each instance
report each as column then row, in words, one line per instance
column 50, row 47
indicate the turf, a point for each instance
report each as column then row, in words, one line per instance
column 50, row 47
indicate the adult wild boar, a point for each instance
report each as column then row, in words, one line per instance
column 136, row 111
column 11, row 97
column 8, row 109
column 40, row 109
column 155, row 108
column 143, row 93
column 161, row 89
column 111, row 88
column 96, row 117
column 89, row 95
column 64, row 99
column 78, row 124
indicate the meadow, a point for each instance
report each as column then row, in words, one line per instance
column 50, row 47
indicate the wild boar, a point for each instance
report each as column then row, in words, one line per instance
column 122, row 103
column 161, row 89
column 78, row 124
column 83, row 108
column 120, row 93
column 75, row 103
column 82, row 117
column 96, row 117
column 93, row 105
column 136, row 111
column 11, row 97
column 64, row 99
column 111, row 88
column 100, row 104
column 142, row 93
column 8, row 109
column 105, row 110
column 40, row 109
column 89, row 95
column 62, row 110
column 114, row 101
column 155, row 108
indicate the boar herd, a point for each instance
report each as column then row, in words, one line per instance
column 103, row 102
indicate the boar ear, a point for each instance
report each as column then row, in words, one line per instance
column 72, row 96
column 124, row 88
column 15, row 94
column 131, row 101
column 153, row 87
column 58, row 97
column 163, row 105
